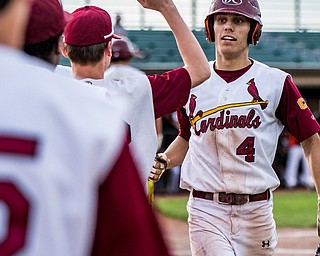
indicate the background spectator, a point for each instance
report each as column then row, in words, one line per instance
column 293, row 177
column 122, row 32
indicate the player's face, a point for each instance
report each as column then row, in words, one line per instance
column 231, row 33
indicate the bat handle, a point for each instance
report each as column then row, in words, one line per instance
column 151, row 192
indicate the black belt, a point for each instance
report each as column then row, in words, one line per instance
column 231, row 198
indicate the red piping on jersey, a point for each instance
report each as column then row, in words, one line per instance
column 18, row 145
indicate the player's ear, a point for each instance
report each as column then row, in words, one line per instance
column 64, row 50
column 108, row 50
column 59, row 46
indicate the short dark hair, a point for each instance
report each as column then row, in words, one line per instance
column 3, row 4
column 86, row 55
column 44, row 49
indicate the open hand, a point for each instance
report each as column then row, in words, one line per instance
column 158, row 5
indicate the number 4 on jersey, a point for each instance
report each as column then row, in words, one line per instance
column 247, row 149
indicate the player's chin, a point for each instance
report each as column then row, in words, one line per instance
column 228, row 51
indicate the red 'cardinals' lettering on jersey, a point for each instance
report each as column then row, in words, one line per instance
column 225, row 121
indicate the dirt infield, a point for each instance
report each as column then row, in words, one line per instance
column 291, row 242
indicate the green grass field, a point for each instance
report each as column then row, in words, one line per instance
column 292, row 208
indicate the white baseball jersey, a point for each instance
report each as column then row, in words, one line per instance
column 235, row 132
column 119, row 71
column 63, row 70
column 136, row 92
column 233, row 121
column 59, row 140
column 148, row 97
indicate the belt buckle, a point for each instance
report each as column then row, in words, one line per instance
column 232, row 199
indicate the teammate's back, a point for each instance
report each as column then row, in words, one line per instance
column 63, row 162
column 55, row 151
column 65, row 167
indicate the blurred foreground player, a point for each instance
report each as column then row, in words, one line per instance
column 63, row 180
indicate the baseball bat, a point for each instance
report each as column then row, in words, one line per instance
column 150, row 192
column 151, row 182
column 318, row 251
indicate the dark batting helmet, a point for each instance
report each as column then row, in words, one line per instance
column 247, row 8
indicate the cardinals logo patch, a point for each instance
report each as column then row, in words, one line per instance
column 302, row 103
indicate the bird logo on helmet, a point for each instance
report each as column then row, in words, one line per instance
column 247, row 8
column 232, row 2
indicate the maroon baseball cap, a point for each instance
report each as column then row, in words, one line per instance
column 89, row 25
column 120, row 51
column 47, row 20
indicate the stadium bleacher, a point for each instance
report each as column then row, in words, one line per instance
column 286, row 50
column 295, row 52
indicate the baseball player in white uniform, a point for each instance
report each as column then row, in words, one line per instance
column 228, row 139
column 61, row 159
column 121, row 62
column 149, row 97
column 295, row 158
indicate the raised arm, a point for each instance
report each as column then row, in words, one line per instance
column 190, row 50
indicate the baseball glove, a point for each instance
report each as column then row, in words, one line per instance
column 159, row 166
